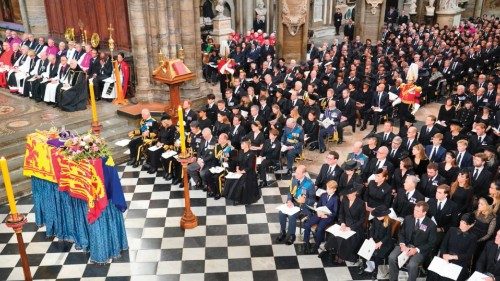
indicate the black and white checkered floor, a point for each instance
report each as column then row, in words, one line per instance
column 230, row 243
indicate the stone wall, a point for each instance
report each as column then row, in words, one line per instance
column 36, row 18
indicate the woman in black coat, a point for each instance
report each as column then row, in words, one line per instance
column 244, row 190
column 256, row 137
column 351, row 217
column 379, row 192
column 311, row 130
column 349, row 177
column 380, row 232
column 400, row 174
column 449, row 169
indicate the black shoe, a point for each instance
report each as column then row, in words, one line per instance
column 147, row 166
column 217, row 197
column 312, row 148
column 168, row 176
column 324, row 254
column 290, row 240
column 210, row 194
column 363, row 127
column 361, row 270
column 281, row 237
column 131, row 162
column 136, row 164
column 322, row 150
column 340, row 142
column 374, row 275
column 152, row 170
column 373, row 131
column 204, row 189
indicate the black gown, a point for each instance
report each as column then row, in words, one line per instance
column 244, row 190
column 353, row 217
column 74, row 98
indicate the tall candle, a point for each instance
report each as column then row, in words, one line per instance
column 92, row 102
column 181, row 130
column 8, row 185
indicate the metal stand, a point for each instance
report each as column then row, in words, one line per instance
column 188, row 220
column 16, row 222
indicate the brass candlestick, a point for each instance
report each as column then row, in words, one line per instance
column 188, row 219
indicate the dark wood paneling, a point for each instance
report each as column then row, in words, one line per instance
column 96, row 16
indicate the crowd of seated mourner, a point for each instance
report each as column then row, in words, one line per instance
column 419, row 191
column 58, row 74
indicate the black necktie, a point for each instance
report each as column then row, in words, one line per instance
column 378, row 163
column 433, row 153
column 459, row 158
column 476, row 173
column 408, row 195
column 480, row 139
column 329, row 196
column 417, row 225
column 392, row 153
column 385, row 137
column 439, row 207
column 409, row 143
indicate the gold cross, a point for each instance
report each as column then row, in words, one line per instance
column 111, row 29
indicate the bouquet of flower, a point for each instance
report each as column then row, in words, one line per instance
column 87, row 146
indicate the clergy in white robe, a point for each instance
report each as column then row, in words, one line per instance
column 57, row 82
column 20, row 70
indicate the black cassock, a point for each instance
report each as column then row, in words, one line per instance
column 38, row 87
column 244, row 190
column 74, row 98
column 31, row 86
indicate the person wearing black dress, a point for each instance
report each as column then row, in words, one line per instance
column 351, row 217
column 457, row 247
column 461, row 192
column 256, row 137
column 452, row 136
column 380, row 232
column 446, row 112
column 405, row 169
column 244, row 190
column 419, row 159
column 349, row 177
column 311, row 131
column 448, row 169
column 222, row 125
column 379, row 192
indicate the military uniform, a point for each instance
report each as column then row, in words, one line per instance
column 166, row 137
column 224, row 155
column 410, row 97
column 295, row 138
column 334, row 115
column 137, row 145
column 206, row 152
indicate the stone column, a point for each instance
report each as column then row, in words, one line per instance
column 36, row 17
column 163, row 32
column 449, row 16
column 24, row 16
column 249, row 13
column 478, row 8
column 369, row 19
column 190, row 35
column 292, row 38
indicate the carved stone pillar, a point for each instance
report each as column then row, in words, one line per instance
column 293, row 26
column 190, row 42
column 448, row 15
column 369, row 18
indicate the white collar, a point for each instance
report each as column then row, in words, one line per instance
column 410, row 194
column 443, row 202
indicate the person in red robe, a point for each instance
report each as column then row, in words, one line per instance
column 5, row 63
column 125, row 69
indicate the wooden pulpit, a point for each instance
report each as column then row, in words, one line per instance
column 173, row 72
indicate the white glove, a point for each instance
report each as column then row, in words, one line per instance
column 415, row 108
column 396, row 102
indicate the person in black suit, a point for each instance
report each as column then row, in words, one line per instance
column 396, row 151
column 476, row 142
column 330, row 200
column 428, row 131
column 400, row 174
column 189, row 114
column 458, row 247
column 417, row 236
column 199, row 170
column 380, row 161
column 237, row 132
column 380, row 104
column 348, row 108
column 165, row 140
column 380, row 232
column 329, row 171
column 481, row 177
column 430, row 181
column 464, row 158
column 349, row 30
column 352, row 216
column 444, row 211
column 411, row 139
column 211, row 108
column 407, row 197
column 378, row 192
column 270, row 155
column 489, row 262
column 337, row 21
column 385, row 137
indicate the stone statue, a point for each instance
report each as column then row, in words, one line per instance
column 261, row 11
column 220, row 8
column 341, row 2
column 429, row 10
column 413, row 6
column 448, row 5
